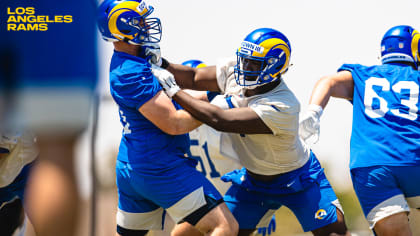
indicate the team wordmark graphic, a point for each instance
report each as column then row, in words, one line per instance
column 25, row 19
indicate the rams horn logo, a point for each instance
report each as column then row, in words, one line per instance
column 320, row 214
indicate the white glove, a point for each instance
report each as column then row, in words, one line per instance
column 166, row 79
column 152, row 52
column 309, row 124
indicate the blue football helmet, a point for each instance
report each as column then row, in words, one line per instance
column 268, row 51
column 127, row 20
column 400, row 44
column 194, row 63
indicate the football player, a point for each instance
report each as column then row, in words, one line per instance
column 205, row 146
column 154, row 173
column 17, row 155
column 384, row 147
column 260, row 130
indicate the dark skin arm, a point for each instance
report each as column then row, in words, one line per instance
column 203, row 79
column 237, row 120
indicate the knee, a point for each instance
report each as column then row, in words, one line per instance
column 340, row 227
column 231, row 227
column 393, row 225
column 384, row 229
column 233, row 230
column 218, row 221
column 234, row 227
column 229, row 224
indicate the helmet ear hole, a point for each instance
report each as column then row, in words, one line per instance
column 272, row 61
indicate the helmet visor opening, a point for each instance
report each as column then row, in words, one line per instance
column 250, row 67
column 149, row 29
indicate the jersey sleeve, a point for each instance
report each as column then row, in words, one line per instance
column 348, row 67
column 136, row 89
column 224, row 69
column 355, row 70
column 279, row 117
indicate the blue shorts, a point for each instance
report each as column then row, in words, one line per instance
column 305, row 191
column 144, row 194
column 17, row 188
column 386, row 190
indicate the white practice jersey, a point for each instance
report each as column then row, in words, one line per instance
column 22, row 151
column 205, row 147
column 265, row 154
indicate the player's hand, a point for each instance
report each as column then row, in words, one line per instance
column 152, row 52
column 166, row 79
column 309, row 124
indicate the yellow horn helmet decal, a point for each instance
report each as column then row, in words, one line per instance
column 415, row 45
column 116, row 12
column 132, row 5
column 280, row 44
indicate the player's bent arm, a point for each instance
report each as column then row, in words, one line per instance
column 162, row 113
column 339, row 85
column 201, row 95
column 237, row 120
column 203, row 79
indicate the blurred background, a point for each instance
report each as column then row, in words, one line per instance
column 324, row 34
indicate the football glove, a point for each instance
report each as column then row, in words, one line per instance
column 309, row 124
column 152, row 52
column 166, row 79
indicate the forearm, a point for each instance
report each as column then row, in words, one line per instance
column 238, row 120
column 201, row 95
column 184, row 122
column 309, row 122
column 339, row 85
column 321, row 93
column 202, row 79
column 202, row 111
column 184, row 75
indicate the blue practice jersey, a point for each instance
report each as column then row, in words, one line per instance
column 133, row 84
column 386, row 116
